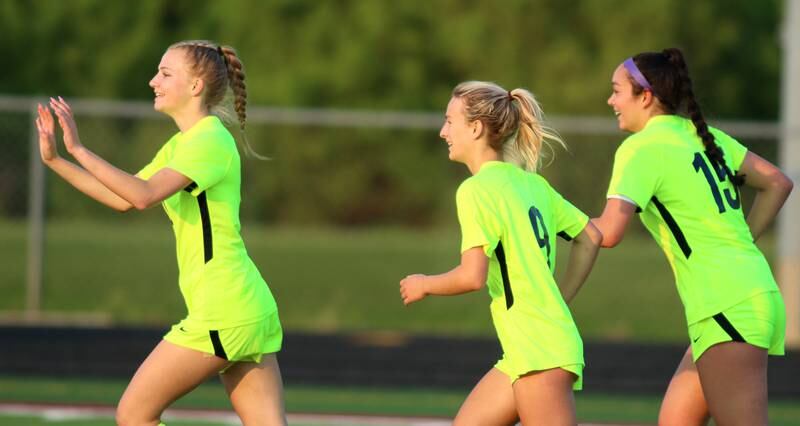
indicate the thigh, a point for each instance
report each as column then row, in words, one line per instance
column 734, row 380
column 256, row 391
column 545, row 397
column 169, row 372
column 684, row 403
column 491, row 402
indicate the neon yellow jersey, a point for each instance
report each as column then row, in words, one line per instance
column 219, row 282
column 693, row 212
column 515, row 217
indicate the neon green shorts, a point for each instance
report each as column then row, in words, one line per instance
column 759, row 320
column 246, row 343
column 533, row 343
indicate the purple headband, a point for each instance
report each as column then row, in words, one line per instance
column 637, row 75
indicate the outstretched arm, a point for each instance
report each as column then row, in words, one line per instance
column 72, row 173
column 772, row 189
column 468, row 276
column 581, row 259
column 614, row 220
column 139, row 193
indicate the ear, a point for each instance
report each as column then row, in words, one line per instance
column 197, row 87
column 648, row 99
column 477, row 129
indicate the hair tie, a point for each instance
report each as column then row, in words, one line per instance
column 222, row 54
column 510, row 96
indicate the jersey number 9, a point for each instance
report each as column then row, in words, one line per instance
column 540, row 231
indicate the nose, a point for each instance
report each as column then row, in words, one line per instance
column 152, row 82
column 609, row 102
column 443, row 132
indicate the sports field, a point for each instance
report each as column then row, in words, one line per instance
column 307, row 404
column 126, row 272
column 326, row 280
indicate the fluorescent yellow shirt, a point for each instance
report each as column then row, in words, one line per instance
column 220, row 284
column 693, row 212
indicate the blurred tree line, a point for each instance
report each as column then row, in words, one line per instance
column 377, row 55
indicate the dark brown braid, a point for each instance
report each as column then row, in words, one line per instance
column 667, row 72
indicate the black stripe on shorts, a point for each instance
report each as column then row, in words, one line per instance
column 218, row 349
column 728, row 327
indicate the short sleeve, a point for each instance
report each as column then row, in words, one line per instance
column 477, row 225
column 731, row 148
column 636, row 172
column 157, row 163
column 204, row 159
column 569, row 220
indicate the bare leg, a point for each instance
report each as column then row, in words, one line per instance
column 490, row 403
column 684, row 403
column 545, row 398
column 169, row 372
column 734, row 379
column 256, row 391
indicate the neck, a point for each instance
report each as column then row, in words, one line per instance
column 186, row 119
column 481, row 157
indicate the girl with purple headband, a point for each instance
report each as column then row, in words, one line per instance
column 683, row 176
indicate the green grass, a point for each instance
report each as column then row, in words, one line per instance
column 327, row 280
column 378, row 401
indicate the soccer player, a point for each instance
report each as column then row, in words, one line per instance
column 232, row 327
column 509, row 218
column 684, row 177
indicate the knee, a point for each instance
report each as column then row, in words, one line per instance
column 128, row 415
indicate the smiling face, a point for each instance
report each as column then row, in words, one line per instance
column 629, row 108
column 456, row 131
column 172, row 83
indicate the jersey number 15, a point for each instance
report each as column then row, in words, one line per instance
column 734, row 201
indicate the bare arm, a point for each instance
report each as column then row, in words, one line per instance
column 139, row 193
column 73, row 174
column 614, row 221
column 469, row 275
column 581, row 259
column 772, row 189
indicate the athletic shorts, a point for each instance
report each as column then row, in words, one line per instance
column 514, row 372
column 246, row 343
column 759, row 320
column 531, row 343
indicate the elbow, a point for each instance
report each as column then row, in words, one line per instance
column 143, row 203
column 610, row 240
column 475, row 282
column 123, row 208
column 786, row 185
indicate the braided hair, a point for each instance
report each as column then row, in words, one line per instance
column 220, row 68
column 668, row 74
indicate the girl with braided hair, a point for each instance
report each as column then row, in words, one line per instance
column 683, row 176
column 232, row 327
column 510, row 217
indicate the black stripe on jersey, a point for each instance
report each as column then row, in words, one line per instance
column 565, row 236
column 191, row 187
column 673, row 227
column 208, row 247
column 728, row 327
column 501, row 259
column 217, row 344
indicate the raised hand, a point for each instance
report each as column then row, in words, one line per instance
column 47, row 137
column 67, row 122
